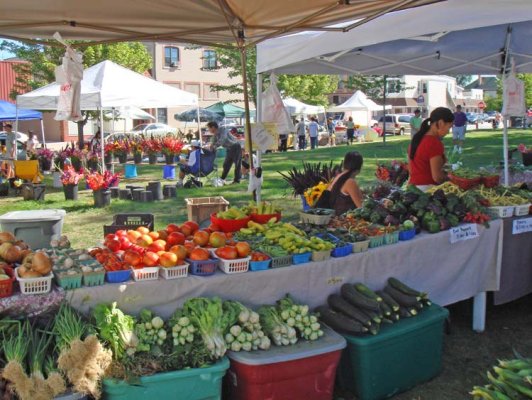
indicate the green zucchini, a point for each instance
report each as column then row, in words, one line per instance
column 404, row 300
column 339, row 304
column 366, row 291
column 375, row 316
column 389, row 300
column 397, row 284
column 340, row 322
column 354, row 297
column 374, row 329
column 385, row 310
column 404, row 313
column 387, row 321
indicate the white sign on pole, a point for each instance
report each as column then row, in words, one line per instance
column 523, row 225
column 463, row 232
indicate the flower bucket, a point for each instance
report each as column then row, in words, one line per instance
column 108, row 159
column 102, row 198
column 71, row 192
column 152, row 159
column 92, row 165
column 76, row 163
column 45, row 164
column 169, row 158
column 57, row 180
column 527, row 159
column 137, row 158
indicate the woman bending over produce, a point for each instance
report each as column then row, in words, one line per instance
column 426, row 152
column 345, row 193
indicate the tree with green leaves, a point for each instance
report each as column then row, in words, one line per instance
column 42, row 60
column 311, row 89
column 463, row 80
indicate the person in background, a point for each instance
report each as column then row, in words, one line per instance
column 345, row 192
column 191, row 164
column 233, row 149
column 313, row 128
column 415, row 122
column 301, row 131
column 426, row 152
column 330, row 131
column 350, row 126
column 11, row 151
column 246, row 166
column 459, row 129
column 31, row 143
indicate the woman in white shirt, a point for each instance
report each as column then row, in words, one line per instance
column 31, row 143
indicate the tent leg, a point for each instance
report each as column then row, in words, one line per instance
column 199, row 124
column 505, row 150
column 384, row 111
column 102, row 144
column 42, row 133
column 249, row 144
column 258, row 117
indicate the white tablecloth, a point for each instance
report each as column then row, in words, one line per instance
column 448, row 272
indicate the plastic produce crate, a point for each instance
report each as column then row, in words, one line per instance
column 391, row 238
column 400, row 357
column 94, row 278
column 190, row 384
column 501, row 211
column 200, row 209
column 522, row 210
column 235, row 266
column 130, row 221
column 34, row 285
column 301, row 258
column 259, row 265
column 360, row 247
column 321, row 255
column 407, row 235
column 203, row 267
column 282, row 261
column 376, row 241
column 179, row 271
column 305, row 370
column 118, row 276
column 145, row 274
column 36, row 227
column 6, row 286
column 342, row 251
column 68, row 282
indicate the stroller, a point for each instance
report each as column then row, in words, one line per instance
column 207, row 166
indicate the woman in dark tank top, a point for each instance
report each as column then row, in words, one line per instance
column 345, row 192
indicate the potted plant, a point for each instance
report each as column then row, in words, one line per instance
column 108, row 153
column 121, row 150
column 526, row 153
column 170, row 147
column 99, row 184
column 136, row 149
column 45, row 157
column 70, row 179
column 152, row 147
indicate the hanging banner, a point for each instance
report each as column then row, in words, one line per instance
column 265, row 136
column 513, row 103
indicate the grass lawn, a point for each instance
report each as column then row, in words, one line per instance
column 83, row 223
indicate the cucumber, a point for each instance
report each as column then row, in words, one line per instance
column 390, row 302
column 374, row 329
column 397, row 284
column 354, row 297
column 366, row 291
column 404, row 300
column 340, row 322
column 385, row 310
column 339, row 304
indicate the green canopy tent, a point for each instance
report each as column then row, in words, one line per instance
column 227, row 110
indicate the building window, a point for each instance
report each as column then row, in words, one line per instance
column 193, row 88
column 175, row 84
column 209, row 92
column 171, row 57
column 336, row 100
column 162, row 115
column 209, row 59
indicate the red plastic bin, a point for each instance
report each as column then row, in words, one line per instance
column 303, row 371
column 6, row 286
column 230, row 225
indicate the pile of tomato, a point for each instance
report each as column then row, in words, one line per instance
column 258, row 256
column 477, row 218
column 109, row 260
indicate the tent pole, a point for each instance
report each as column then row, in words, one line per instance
column 258, row 119
column 504, row 117
column 249, row 144
column 102, row 144
column 199, row 124
column 42, row 133
column 384, row 111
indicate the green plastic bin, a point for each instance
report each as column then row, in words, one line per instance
column 400, row 357
column 189, row 384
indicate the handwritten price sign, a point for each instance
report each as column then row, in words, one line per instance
column 523, row 225
column 463, row 232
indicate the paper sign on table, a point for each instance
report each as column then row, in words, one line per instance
column 522, row 225
column 463, row 232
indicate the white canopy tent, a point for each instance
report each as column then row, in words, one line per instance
column 130, row 112
column 296, row 107
column 360, row 107
column 479, row 36
column 107, row 86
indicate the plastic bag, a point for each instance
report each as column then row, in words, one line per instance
column 513, row 97
column 69, row 76
column 273, row 109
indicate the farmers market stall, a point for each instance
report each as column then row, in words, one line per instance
column 462, row 270
column 516, row 274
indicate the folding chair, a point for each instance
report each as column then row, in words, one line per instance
column 207, row 168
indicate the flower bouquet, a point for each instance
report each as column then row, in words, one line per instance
column 314, row 193
column 121, row 150
column 99, row 184
column 136, row 148
column 70, row 179
column 170, row 147
column 152, row 147
column 395, row 172
column 45, row 157
column 526, row 153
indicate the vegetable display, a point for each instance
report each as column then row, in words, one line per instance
column 116, row 329
column 358, row 310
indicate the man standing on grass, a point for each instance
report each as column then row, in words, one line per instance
column 233, row 155
column 313, row 133
column 459, row 129
column 301, row 131
column 415, row 122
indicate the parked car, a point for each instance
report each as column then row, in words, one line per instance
column 396, row 124
column 21, row 140
column 154, row 129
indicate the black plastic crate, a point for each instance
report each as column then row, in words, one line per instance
column 128, row 221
